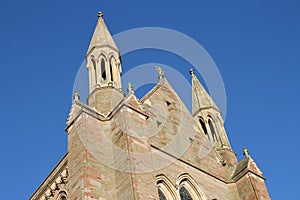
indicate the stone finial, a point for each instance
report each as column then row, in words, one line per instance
column 160, row 72
column 130, row 89
column 246, row 152
column 192, row 72
column 100, row 14
column 76, row 96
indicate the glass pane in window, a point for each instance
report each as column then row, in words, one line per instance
column 184, row 194
column 161, row 195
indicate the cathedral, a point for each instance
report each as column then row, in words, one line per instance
column 124, row 148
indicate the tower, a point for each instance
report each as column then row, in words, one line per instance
column 122, row 147
column 104, row 68
column 102, row 58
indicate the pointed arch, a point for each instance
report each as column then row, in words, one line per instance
column 112, row 70
column 188, row 188
column 219, row 124
column 165, row 189
column 212, row 128
column 94, row 68
column 102, row 55
column 161, row 194
column 91, row 64
column 62, row 195
column 102, row 66
column 103, row 69
column 203, row 126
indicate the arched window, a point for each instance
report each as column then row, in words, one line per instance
column 203, row 126
column 184, row 194
column 103, row 71
column 62, row 196
column 188, row 188
column 111, row 72
column 166, row 190
column 95, row 69
column 212, row 130
column 161, row 195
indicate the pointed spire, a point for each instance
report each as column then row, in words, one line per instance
column 200, row 98
column 101, row 36
column 103, row 59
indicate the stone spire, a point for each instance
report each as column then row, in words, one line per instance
column 104, row 67
column 200, row 98
column 101, row 36
column 103, row 59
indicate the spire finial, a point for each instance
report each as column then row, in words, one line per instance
column 130, row 89
column 160, row 72
column 100, row 14
column 246, row 152
column 192, row 71
column 76, row 96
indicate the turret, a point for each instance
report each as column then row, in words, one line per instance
column 207, row 113
column 104, row 66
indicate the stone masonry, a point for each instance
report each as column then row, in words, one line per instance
column 121, row 147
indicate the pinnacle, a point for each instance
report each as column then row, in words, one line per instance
column 130, row 89
column 246, row 152
column 160, row 72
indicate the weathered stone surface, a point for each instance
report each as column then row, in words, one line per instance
column 124, row 148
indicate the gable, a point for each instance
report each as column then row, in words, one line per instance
column 175, row 132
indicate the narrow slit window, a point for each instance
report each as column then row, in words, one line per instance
column 212, row 130
column 103, row 71
column 95, row 69
column 111, row 72
column 203, row 126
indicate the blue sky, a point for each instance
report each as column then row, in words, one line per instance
column 255, row 45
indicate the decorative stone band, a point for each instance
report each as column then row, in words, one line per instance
column 62, row 179
column 54, row 183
